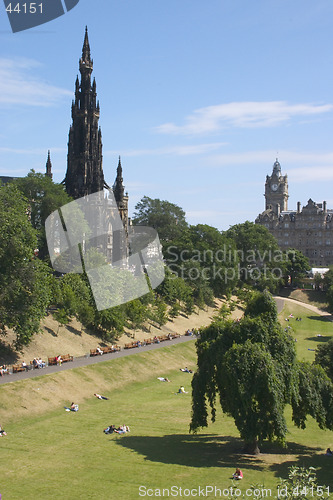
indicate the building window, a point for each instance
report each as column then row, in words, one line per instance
column 286, row 225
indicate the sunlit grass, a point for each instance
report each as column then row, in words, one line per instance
column 67, row 455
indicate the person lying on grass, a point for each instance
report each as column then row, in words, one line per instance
column 98, row 396
column 163, row 379
column 186, row 370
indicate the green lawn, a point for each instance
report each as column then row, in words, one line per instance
column 65, row 455
column 312, row 331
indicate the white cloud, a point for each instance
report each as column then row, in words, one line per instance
column 185, row 150
column 20, row 85
column 241, row 115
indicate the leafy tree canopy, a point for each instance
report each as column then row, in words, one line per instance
column 296, row 265
column 44, row 196
column 167, row 218
column 251, row 366
column 24, row 280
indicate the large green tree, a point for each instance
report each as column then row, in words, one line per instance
column 44, row 197
column 167, row 218
column 24, row 280
column 251, row 365
column 296, row 265
column 260, row 259
column 324, row 357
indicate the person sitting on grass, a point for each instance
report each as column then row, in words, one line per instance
column 2, row 432
column 98, row 396
column 238, row 474
column 122, row 429
column 181, row 390
column 329, row 452
column 73, row 407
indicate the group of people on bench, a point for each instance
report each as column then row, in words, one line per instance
column 38, row 363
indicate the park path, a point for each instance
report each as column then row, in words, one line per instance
column 281, row 300
column 86, row 360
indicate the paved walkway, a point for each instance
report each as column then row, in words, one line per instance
column 281, row 300
column 88, row 360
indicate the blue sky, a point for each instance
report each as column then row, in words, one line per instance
column 198, row 97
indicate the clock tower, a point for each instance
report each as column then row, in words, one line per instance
column 276, row 190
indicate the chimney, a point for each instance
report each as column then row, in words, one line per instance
column 298, row 207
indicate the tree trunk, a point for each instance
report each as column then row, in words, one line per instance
column 251, row 447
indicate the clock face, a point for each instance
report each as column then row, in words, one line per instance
column 274, row 187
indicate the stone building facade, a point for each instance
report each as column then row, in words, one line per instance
column 308, row 228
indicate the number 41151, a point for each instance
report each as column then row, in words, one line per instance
column 30, row 8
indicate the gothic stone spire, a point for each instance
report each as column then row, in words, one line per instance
column 48, row 172
column 118, row 187
column 84, row 161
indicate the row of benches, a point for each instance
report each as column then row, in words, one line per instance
column 155, row 340
column 51, row 361
column 93, row 352
column 105, row 350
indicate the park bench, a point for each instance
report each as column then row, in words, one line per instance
column 110, row 348
column 18, row 368
column 66, row 357
column 94, row 352
column 131, row 345
column 148, row 341
column 162, row 338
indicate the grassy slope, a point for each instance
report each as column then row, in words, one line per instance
column 74, row 339
column 48, row 450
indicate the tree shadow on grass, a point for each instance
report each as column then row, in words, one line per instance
column 324, row 319
column 49, row 330
column 74, row 330
column 8, row 355
column 322, row 338
column 322, row 463
column 208, row 450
